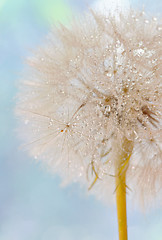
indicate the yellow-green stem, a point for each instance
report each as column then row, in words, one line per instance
column 122, row 164
column 121, row 207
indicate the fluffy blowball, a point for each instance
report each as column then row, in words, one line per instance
column 93, row 94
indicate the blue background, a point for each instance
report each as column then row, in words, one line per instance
column 33, row 206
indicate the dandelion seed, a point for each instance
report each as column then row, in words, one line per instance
column 91, row 105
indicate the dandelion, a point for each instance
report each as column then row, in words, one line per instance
column 91, row 106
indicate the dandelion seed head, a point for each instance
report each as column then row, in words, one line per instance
column 91, row 86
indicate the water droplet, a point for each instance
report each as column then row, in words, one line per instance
column 51, row 122
column 159, row 28
column 26, row 121
column 109, row 74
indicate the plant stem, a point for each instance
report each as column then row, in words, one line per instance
column 122, row 164
column 121, row 206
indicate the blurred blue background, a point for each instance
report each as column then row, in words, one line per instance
column 32, row 204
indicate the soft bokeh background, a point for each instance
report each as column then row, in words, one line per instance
column 32, row 204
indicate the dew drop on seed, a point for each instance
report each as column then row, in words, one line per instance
column 109, row 75
column 26, row 121
column 159, row 28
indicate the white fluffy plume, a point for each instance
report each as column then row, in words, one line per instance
column 88, row 88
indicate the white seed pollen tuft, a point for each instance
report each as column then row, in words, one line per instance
column 91, row 86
